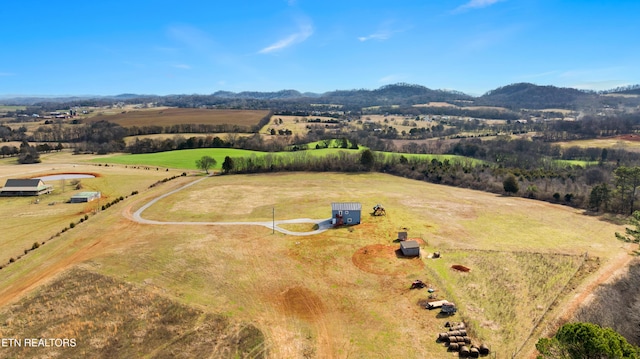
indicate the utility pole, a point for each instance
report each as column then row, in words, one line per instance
column 273, row 213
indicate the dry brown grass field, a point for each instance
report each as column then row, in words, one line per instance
column 627, row 143
column 27, row 220
column 340, row 294
column 163, row 136
column 296, row 124
column 172, row 116
column 137, row 323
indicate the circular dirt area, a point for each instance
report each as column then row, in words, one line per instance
column 67, row 175
column 302, row 303
column 385, row 260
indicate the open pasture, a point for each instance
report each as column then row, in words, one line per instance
column 186, row 159
column 4, row 109
column 137, row 323
column 627, row 143
column 175, row 116
column 344, row 292
column 522, row 253
column 27, row 220
column 298, row 125
column 163, row 136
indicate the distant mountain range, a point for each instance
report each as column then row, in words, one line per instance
column 514, row 96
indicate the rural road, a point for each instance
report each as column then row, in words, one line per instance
column 323, row 224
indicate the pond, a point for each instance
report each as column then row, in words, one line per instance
column 65, row 176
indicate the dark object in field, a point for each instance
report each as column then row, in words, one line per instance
column 460, row 268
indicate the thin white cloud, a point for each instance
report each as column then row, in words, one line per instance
column 305, row 29
column 182, row 66
column 384, row 32
column 381, row 35
column 475, row 4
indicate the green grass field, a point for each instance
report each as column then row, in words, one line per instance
column 186, row 159
column 4, row 108
column 581, row 163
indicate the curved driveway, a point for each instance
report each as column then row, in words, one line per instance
column 323, row 224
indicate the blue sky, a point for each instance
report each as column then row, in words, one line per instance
column 198, row 47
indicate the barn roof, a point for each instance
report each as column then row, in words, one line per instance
column 31, row 183
column 86, row 195
column 409, row 244
column 346, row 206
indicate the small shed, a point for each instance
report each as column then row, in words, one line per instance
column 25, row 187
column 85, row 197
column 410, row 248
column 345, row 213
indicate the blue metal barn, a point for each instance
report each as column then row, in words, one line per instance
column 345, row 213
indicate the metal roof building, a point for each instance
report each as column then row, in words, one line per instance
column 85, row 197
column 345, row 213
column 410, row 248
column 25, row 187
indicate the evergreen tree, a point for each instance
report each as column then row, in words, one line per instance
column 510, row 184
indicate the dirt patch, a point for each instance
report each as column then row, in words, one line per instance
column 630, row 137
column 46, row 174
column 460, row 268
column 302, row 303
column 384, row 260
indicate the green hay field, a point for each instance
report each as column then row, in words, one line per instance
column 186, row 159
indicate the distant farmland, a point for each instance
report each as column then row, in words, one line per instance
column 176, row 116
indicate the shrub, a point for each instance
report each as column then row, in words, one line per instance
column 26, row 251
column 86, row 216
column 71, row 225
column 11, row 260
column 36, row 245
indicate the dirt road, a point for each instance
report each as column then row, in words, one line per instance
column 323, row 224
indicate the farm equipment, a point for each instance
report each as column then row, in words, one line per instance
column 436, row 304
column 417, row 284
column 448, row 308
column 378, row 210
column 445, row 306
